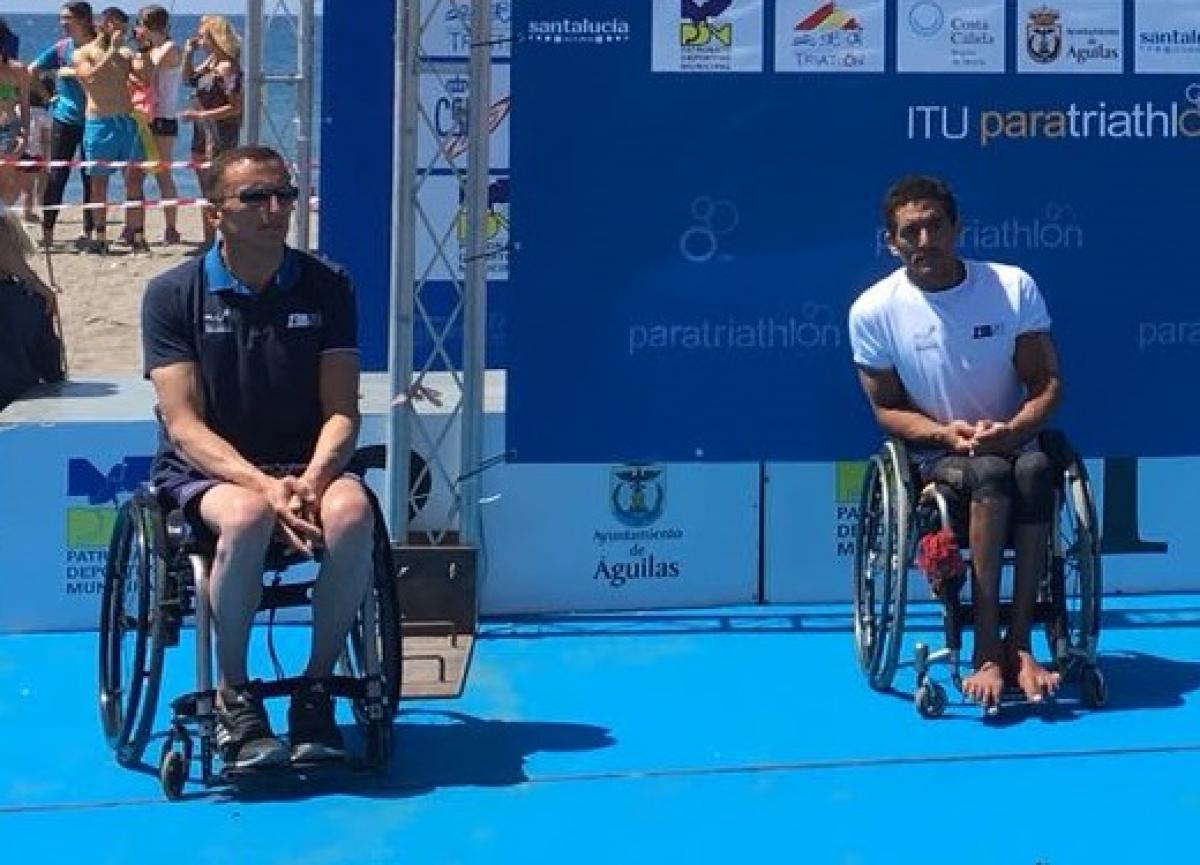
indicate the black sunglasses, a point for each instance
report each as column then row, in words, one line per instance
column 260, row 195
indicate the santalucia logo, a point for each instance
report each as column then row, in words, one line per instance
column 576, row 30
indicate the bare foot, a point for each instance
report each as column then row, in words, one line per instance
column 985, row 685
column 1035, row 680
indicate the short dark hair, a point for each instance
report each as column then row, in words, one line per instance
column 154, row 17
column 112, row 12
column 918, row 187
column 214, row 183
column 82, row 11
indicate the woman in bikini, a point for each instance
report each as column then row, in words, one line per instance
column 217, row 81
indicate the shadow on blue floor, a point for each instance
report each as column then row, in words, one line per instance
column 454, row 749
column 434, row 749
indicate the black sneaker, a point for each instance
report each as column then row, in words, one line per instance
column 312, row 730
column 244, row 733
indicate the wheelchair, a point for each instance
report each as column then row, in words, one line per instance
column 156, row 578
column 894, row 514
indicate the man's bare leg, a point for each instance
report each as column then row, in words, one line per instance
column 347, row 525
column 989, row 529
column 98, row 183
column 243, row 523
column 1034, row 680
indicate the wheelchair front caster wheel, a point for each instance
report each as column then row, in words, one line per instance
column 930, row 700
column 172, row 772
column 1095, row 690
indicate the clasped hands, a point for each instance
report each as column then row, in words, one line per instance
column 297, row 505
column 981, row 437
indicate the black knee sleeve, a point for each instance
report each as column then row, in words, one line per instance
column 1034, row 482
column 991, row 478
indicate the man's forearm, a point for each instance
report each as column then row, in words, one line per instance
column 335, row 446
column 1036, row 411
column 911, row 426
column 214, row 456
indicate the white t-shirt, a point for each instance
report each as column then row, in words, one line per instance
column 953, row 349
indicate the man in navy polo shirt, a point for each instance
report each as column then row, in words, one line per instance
column 253, row 356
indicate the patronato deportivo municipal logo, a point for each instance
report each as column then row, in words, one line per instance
column 697, row 26
column 1044, row 35
column 91, row 524
column 91, row 517
column 637, row 493
column 847, row 491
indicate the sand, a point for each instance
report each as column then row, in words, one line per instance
column 100, row 296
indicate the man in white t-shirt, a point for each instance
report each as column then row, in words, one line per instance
column 957, row 360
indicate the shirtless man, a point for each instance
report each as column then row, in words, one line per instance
column 110, row 133
column 160, row 63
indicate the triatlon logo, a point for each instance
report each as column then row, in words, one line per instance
column 828, row 17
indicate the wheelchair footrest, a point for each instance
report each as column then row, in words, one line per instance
column 187, row 705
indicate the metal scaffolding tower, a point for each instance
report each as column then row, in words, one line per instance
column 412, row 217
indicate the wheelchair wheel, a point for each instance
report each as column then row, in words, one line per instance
column 1073, row 631
column 131, row 634
column 881, row 555
column 376, row 726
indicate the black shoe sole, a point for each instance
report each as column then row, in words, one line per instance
column 308, row 753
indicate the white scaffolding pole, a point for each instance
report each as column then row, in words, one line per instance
column 305, row 51
column 475, row 283
column 402, row 275
column 252, row 63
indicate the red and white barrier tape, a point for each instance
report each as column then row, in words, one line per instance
column 313, row 203
column 104, row 163
column 97, row 163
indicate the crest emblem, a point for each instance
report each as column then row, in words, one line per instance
column 637, row 494
column 1043, row 35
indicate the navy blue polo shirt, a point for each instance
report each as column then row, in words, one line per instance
column 257, row 352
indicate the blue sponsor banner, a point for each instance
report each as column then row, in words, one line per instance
column 356, row 163
column 697, row 203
